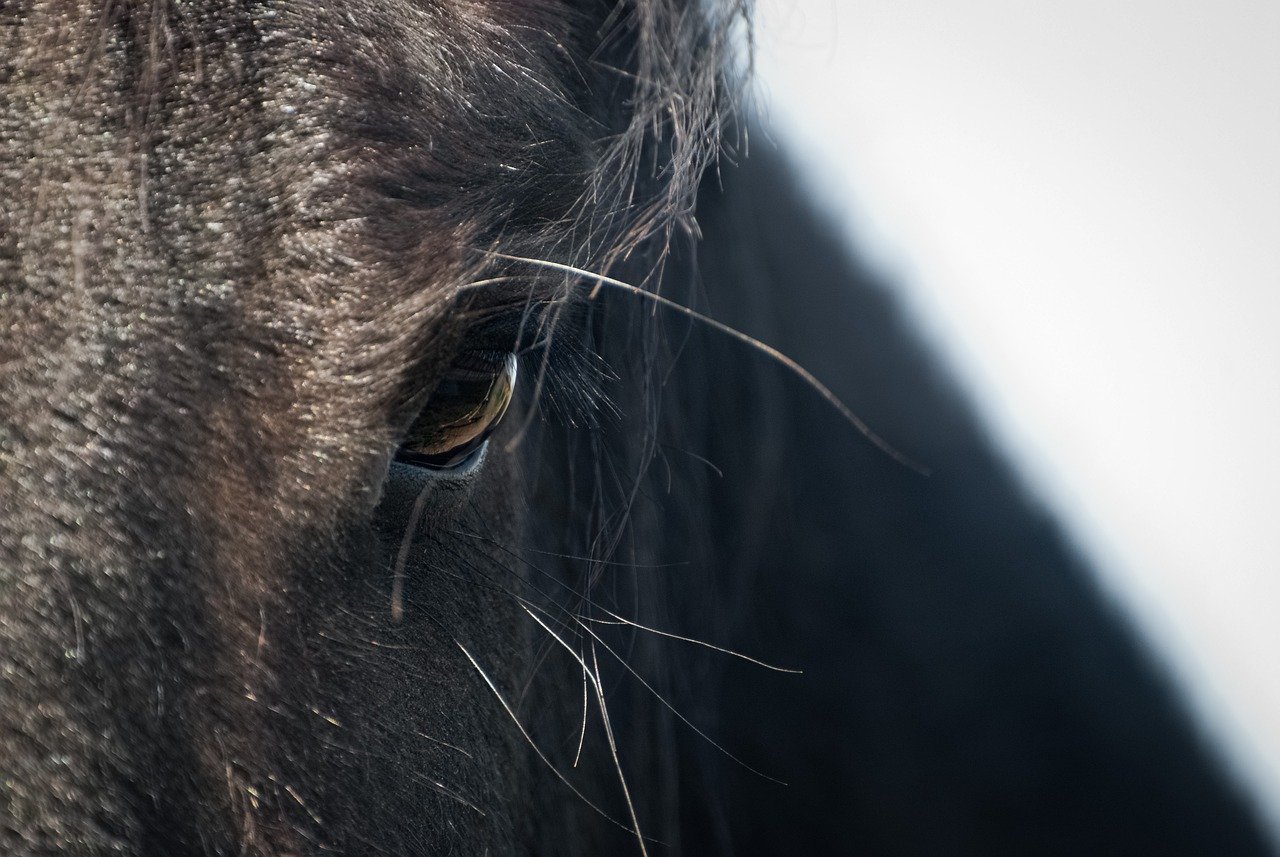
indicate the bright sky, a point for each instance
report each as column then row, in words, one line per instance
column 1082, row 200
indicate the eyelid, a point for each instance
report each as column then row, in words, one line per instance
column 511, row 328
column 464, row 469
column 508, row 312
column 466, row 406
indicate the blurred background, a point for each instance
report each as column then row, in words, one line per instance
column 1081, row 204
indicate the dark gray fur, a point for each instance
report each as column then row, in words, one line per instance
column 235, row 241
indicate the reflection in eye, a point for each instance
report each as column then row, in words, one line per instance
column 464, row 409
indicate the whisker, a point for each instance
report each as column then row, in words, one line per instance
column 601, row 280
column 613, row 748
column 595, row 561
column 617, row 618
column 604, row 718
column 443, row 743
column 529, row 608
column 538, row 750
column 621, row 620
column 441, row 788
column 685, row 720
column 582, row 734
column 402, row 556
column 387, row 758
column 581, row 621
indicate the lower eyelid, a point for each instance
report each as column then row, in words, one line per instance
column 465, row 469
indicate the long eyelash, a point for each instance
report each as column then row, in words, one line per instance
column 549, row 334
column 572, row 389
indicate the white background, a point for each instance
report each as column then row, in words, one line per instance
column 1082, row 201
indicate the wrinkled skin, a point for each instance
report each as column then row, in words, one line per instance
column 237, row 243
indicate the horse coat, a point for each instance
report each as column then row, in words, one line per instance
column 249, row 250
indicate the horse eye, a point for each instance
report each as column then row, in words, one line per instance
column 464, row 409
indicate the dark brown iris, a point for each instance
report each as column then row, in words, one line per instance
column 464, row 409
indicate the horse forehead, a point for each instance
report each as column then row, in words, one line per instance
column 201, row 268
column 236, row 188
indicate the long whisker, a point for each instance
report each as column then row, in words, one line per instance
column 582, row 733
column 402, row 556
column 594, row 561
column 618, row 619
column 685, row 720
column 804, row 374
column 604, row 718
column 581, row 621
column 533, row 609
column 541, row 755
column 529, row 607
column 613, row 748
column 622, row 620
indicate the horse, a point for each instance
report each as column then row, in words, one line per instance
column 435, row 427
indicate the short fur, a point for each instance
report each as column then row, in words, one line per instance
column 239, row 244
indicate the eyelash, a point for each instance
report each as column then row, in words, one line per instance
column 469, row 401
